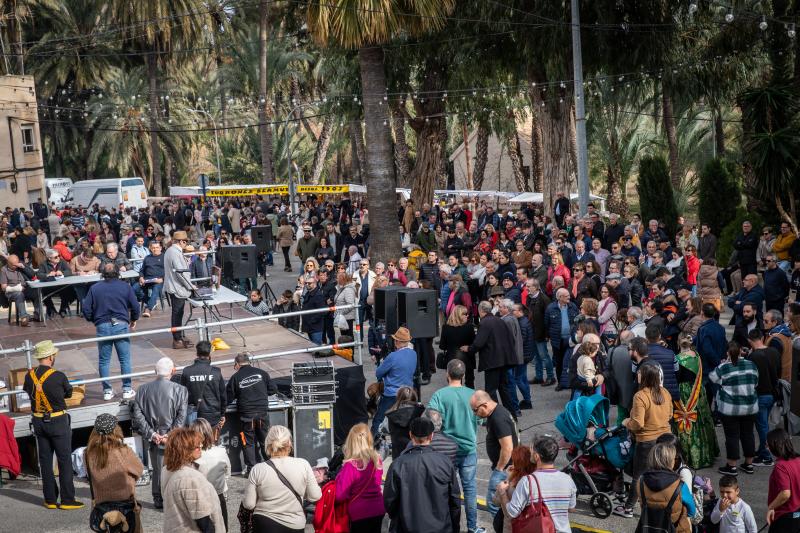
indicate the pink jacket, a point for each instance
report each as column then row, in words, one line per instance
column 362, row 489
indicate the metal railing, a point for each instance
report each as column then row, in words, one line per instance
column 202, row 328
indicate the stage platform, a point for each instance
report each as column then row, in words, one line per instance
column 81, row 362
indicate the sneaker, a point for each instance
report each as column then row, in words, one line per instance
column 50, row 505
column 479, row 530
column 728, row 470
column 525, row 404
column 70, row 506
column 158, row 503
column 128, row 394
column 621, row 510
column 108, row 395
column 747, row 468
column 760, row 461
column 146, row 313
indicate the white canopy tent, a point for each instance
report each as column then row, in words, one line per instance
column 538, row 198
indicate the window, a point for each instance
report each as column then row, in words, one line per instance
column 28, row 138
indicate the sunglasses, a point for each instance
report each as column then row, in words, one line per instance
column 391, row 264
column 364, row 264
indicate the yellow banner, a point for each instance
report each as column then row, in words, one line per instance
column 323, row 189
column 250, row 191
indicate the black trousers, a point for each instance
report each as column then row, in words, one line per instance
column 263, row 524
column 558, row 358
column 255, row 433
column 366, row 525
column 328, row 333
column 776, row 304
column 642, row 450
column 739, row 429
column 286, row 261
column 495, row 381
column 748, row 269
column 177, row 305
column 55, row 437
column 785, row 524
column 223, row 505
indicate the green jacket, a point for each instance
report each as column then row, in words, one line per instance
column 427, row 241
column 306, row 247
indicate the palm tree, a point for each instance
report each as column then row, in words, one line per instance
column 365, row 26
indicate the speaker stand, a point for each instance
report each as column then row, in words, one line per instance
column 268, row 294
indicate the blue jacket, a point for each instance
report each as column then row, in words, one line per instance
column 666, row 358
column 444, row 296
column 753, row 296
column 776, row 285
column 552, row 321
column 526, row 330
column 711, row 344
column 110, row 299
column 397, row 370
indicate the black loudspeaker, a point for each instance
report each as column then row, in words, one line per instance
column 239, row 261
column 385, row 307
column 262, row 238
column 417, row 310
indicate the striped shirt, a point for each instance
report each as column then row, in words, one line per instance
column 737, row 387
column 558, row 492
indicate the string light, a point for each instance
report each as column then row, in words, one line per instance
column 729, row 15
column 790, row 31
column 692, row 7
column 763, row 24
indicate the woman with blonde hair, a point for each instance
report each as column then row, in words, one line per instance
column 458, row 332
column 190, row 501
column 277, row 487
column 557, row 268
column 359, row 481
column 214, row 463
column 112, row 467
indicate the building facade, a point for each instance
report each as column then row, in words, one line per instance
column 21, row 160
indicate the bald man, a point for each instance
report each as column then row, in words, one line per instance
column 751, row 293
column 501, row 438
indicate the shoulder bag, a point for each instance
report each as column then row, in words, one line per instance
column 535, row 517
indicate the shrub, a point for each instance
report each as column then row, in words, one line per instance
column 732, row 230
column 719, row 194
column 656, row 199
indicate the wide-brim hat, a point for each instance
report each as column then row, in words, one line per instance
column 44, row 349
column 180, row 236
column 402, row 335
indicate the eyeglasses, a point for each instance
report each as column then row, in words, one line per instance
column 771, row 261
column 577, row 270
column 765, row 233
column 364, row 264
column 476, row 408
column 391, row 264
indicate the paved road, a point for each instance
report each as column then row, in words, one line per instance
column 20, row 500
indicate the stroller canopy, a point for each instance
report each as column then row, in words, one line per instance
column 579, row 413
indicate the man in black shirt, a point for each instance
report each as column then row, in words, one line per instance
column 206, row 388
column 49, row 389
column 768, row 361
column 151, row 278
column 251, row 387
column 501, row 438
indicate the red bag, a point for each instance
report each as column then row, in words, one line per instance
column 329, row 516
column 535, row 517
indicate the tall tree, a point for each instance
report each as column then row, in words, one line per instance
column 265, row 113
column 346, row 23
column 481, row 155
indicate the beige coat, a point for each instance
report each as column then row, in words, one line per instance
column 707, row 283
column 285, row 235
column 188, row 496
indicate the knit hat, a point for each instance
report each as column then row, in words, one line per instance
column 105, row 423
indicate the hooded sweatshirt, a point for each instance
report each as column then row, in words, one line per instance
column 659, row 486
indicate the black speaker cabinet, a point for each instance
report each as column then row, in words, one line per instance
column 262, row 238
column 385, row 307
column 239, row 261
column 417, row 310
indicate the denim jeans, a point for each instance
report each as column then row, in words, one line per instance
column 467, row 467
column 511, row 389
column 383, row 404
column 154, row 296
column 542, row 361
column 315, row 337
column 519, row 379
column 762, row 425
column 494, row 480
column 123, row 347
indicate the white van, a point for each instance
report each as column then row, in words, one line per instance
column 108, row 193
column 57, row 190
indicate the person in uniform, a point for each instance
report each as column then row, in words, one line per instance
column 49, row 389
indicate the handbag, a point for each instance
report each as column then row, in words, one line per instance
column 245, row 517
column 441, row 361
column 535, row 517
column 341, row 322
column 98, row 521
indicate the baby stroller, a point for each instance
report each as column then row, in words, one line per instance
column 598, row 453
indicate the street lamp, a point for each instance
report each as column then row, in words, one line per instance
column 216, row 139
column 292, row 191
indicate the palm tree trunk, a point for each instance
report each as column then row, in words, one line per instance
column 465, row 139
column 557, row 143
column 155, row 151
column 355, row 165
column 615, row 186
column 264, row 108
column 573, row 145
column 481, row 155
column 512, row 146
column 321, row 153
column 537, row 152
column 223, row 103
column 719, row 133
column 400, row 145
column 429, row 124
column 359, row 150
column 672, row 135
column 380, row 178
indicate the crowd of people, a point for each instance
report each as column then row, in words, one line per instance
column 591, row 304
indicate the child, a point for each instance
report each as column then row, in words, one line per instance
column 731, row 512
column 586, row 369
column 256, row 304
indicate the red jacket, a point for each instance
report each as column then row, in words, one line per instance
column 9, row 452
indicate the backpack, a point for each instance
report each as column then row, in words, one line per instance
column 655, row 520
column 329, row 516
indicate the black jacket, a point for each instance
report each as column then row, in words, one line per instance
column 536, row 312
column 746, row 246
column 206, row 390
column 314, row 299
column 45, row 269
column 250, row 387
column 399, row 421
column 421, row 493
column 495, row 345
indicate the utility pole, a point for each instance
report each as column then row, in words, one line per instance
column 580, row 112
